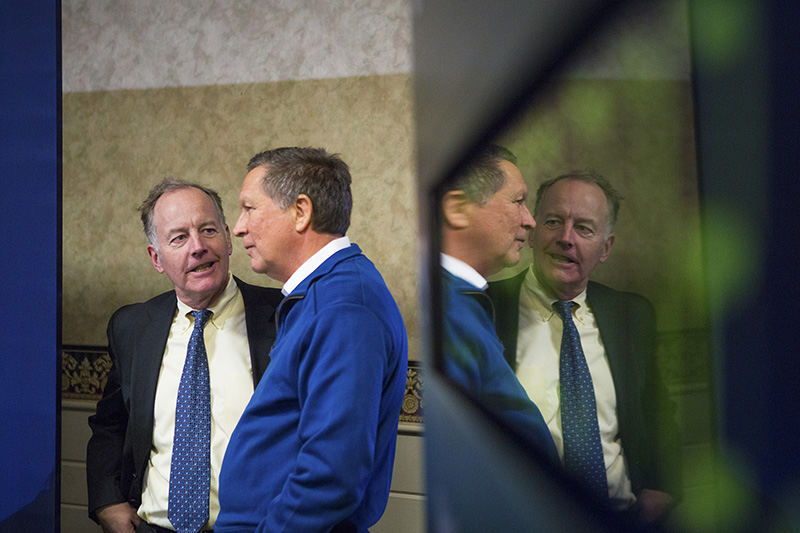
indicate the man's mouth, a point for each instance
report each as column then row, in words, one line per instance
column 558, row 258
column 202, row 268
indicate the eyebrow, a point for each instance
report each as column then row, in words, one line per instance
column 586, row 221
column 185, row 229
column 583, row 220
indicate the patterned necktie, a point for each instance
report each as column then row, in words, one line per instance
column 583, row 453
column 190, row 470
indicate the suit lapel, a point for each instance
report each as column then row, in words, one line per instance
column 146, row 366
column 505, row 296
column 612, row 323
column 258, row 312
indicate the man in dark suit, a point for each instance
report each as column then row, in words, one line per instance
column 637, row 446
column 130, row 454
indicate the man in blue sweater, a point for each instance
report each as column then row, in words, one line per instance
column 485, row 224
column 314, row 449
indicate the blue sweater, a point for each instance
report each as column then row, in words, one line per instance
column 315, row 446
column 473, row 358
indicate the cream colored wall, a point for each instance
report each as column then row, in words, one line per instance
column 117, row 144
column 193, row 90
column 146, row 44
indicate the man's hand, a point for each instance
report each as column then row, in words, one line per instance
column 118, row 518
column 652, row 506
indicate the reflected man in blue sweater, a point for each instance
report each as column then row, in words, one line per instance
column 314, row 449
column 485, row 224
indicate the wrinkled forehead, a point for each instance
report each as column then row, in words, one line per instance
column 185, row 207
column 576, row 198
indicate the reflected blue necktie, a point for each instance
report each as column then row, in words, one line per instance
column 190, row 470
column 583, row 453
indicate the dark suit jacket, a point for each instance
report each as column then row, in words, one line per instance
column 122, row 428
column 645, row 415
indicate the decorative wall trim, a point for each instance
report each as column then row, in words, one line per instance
column 412, row 402
column 85, row 372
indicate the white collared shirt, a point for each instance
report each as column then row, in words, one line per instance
column 460, row 269
column 313, row 262
column 538, row 354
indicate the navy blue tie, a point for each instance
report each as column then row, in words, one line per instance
column 190, row 470
column 583, row 452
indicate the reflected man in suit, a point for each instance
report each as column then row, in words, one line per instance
column 485, row 224
column 576, row 214
column 129, row 456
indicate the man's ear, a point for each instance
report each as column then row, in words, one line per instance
column 607, row 245
column 228, row 236
column 153, row 253
column 456, row 209
column 301, row 210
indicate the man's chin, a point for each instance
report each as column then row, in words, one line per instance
column 203, row 294
column 565, row 287
column 512, row 258
column 258, row 266
column 559, row 277
column 210, row 286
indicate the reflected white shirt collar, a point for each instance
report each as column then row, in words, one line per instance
column 460, row 269
column 313, row 262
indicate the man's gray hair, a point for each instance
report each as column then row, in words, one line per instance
column 323, row 177
column 613, row 198
column 169, row 185
column 482, row 176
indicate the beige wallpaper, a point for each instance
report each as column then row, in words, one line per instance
column 116, row 144
column 143, row 44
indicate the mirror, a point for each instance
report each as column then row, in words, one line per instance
column 621, row 109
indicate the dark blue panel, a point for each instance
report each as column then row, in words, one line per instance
column 30, row 95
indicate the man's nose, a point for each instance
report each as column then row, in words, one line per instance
column 527, row 218
column 565, row 236
column 239, row 227
column 196, row 243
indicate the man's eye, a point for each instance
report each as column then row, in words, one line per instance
column 551, row 223
column 178, row 239
column 210, row 231
column 584, row 230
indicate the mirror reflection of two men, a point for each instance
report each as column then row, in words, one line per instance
column 567, row 362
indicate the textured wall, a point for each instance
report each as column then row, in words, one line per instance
column 118, row 143
column 138, row 44
column 193, row 89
